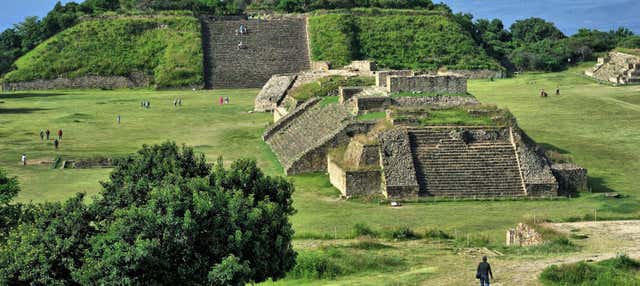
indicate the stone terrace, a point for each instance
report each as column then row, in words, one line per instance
column 273, row 46
column 307, row 131
column 450, row 167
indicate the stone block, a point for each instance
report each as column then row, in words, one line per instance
column 427, row 83
column 381, row 76
column 347, row 93
column 571, row 178
column 273, row 92
column 320, row 65
column 363, row 66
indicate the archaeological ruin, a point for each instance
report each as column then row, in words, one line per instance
column 616, row 68
column 409, row 135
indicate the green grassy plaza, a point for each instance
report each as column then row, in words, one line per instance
column 596, row 125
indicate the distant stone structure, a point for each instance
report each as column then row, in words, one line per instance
column 523, row 235
column 616, row 68
column 571, row 178
column 276, row 45
column 136, row 79
column 397, row 156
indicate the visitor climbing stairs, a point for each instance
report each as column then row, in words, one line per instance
column 247, row 60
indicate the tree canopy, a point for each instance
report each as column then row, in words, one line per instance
column 165, row 217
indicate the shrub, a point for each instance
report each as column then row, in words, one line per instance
column 362, row 229
column 314, row 265
column 403, row 233
column 617, row 271
column 437, row 234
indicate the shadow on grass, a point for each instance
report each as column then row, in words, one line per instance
column 27, row 95
column 21, row 110
column 598, row 185
column 550, row 147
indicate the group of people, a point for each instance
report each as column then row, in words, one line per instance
column 177, row 102
column 47, row 134
column 224, row 100
column 145, row 104
column 545, row 94
column 242, row 30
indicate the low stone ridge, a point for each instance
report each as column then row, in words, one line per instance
column 427, row 83
column 399, row 174
column 571, row 178
column 103, row 82
column 273, row 92
column 478, row 74
column 617, row 68
column 273, row 46
column 451, row 162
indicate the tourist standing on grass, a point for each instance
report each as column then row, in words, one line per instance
column 484, row 272
column 59, row 134
column 226, row 100
column 557, row 90
column 221, row 100
column 48, row 133
column 56, row 143
column 118, row 119
column 24, row 159
column 179, row 101
column 41, row 134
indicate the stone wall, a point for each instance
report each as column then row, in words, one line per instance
column 571, row 178
column 314, row 158
column 478, row 74
column 353, row 182
column 273, row 92
column 291, row 116
column 365, row 66
column 89, row 82
column 371, row 103
column 361, row 154
column 427, row 83
column 381, row 76
column 442, row 101
column 273, row 46
column 399, row 179
column 523, row 235
column 320, row 65
column 535, row 167
column 347, row 93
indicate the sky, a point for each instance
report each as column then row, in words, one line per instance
column 568, row 15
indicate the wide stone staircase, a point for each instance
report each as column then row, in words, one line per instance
column 448, row 167
column 307, row 131
column 269, row 47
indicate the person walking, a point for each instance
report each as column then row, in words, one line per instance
column 59, row 134
column 118, row 119
column 557, row 90
column 47, row 133
column 221, row 100
column 24, row 159
column 41, row 134
column 484, row 272
column 226, row 100
column 56, row 143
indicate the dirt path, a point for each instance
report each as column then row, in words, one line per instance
column 605, row 240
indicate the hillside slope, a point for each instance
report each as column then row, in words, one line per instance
column 396, row 40
column 167, row 49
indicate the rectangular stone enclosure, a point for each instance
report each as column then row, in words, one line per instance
column 381, row 76
column 427, row 83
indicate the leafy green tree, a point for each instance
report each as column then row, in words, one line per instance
column 631, row 42
column 9, row 188
column 533, row 30
column 165, row 217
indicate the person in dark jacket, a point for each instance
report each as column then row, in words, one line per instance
column 484, row 272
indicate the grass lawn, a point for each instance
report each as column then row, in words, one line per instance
column 596, row 125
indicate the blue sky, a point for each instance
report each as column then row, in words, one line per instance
column 568, row 15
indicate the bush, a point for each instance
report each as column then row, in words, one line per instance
column 403, row 233
column 437, row 234
column 632, row 42
column 361, row 229
column 617, row 271
column 314, row 265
